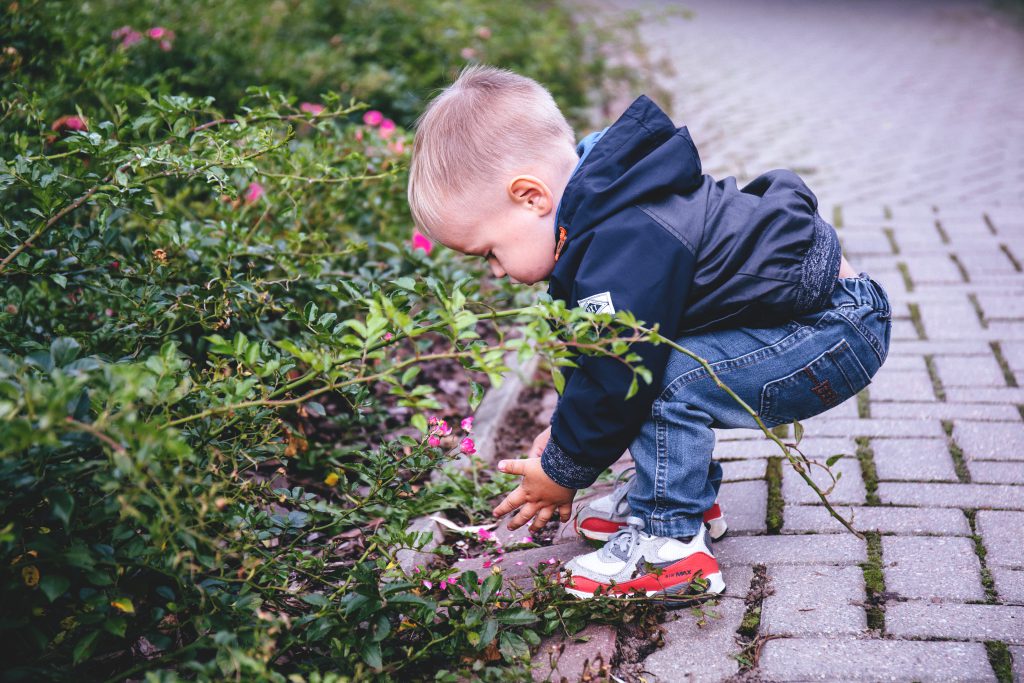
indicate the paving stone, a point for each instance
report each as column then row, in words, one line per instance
column 781, row 550
column 745, row 506
column 946, row 411
column 883, row 519
column 1002, row 532
column 738, row 470
column 582, row 658
column 519, row 574
column 990, row 440
column 902, row 386
column 848, row 489
column 910, row 565
column 849, row 660
column 874, row 427
column 1009, row 584
column 1017, row 655
column 951, row 320
column 1001, row 395
column 815, row 600
column 956, row 621
column 913, row 460
column 970, row 372
column 986, row 472
column 934, row 347
column 694, row 652
column 952, row 495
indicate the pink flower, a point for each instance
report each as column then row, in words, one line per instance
column 253, row 192
column 127, row 35
column 373, row 118
column 442, row 428
column 467, row 424
column 443, row 584
column 552, row 560
column 434, row 419
column 165, row 45
column 467, row 446
column 157, row 32
column 420, row 241
column 468, row 53
column 70, row 122
column 483, row 32
column 433, row 441
column 387, row 128
column 487, row 563
column 388, row 336
column 429, row 585
column 416, row 570
column 359, row 133
column 484, row 535
column 398, row 146
column 479, row 581
column 528, row 539
column 311, row 108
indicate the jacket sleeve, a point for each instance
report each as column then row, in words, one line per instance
column 642, row 268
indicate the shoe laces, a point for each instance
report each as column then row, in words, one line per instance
column 622, row 488
column 620, row 545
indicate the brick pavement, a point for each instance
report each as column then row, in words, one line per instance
column 906, row 121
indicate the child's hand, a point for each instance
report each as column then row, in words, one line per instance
column 537, row 496
column 540, row 443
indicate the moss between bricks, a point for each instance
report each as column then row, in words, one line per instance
column 868, row 472
column 864, row 405
column 837, row 216
column 999, row 658
column 964, row 275
column 874, row 582
column 1004, row 365
column 891, row 237
column 908, row 282
column 959, row 464
column 773, row 518
column 933, row 373
column 915, row 317
column 747, row 633
column 979, row 549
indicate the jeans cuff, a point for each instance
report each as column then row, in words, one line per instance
column 565, row 471
column 677, row 527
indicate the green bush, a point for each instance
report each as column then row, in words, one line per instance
column 210, row 314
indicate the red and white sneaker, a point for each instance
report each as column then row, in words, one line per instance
column 601, row 517
column 634, row 562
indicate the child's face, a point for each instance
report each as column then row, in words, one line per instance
column 516, row 234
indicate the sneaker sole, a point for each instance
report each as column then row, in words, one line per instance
column 716, row 586
column 717, row 529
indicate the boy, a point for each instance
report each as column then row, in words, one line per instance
column 751, row 280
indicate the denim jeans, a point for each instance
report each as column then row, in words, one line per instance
column 785, row 373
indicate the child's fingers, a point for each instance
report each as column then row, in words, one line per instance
column 512, row 467
column 565, row 512
column 511, row 502
column 524, row 515
column 543, row 517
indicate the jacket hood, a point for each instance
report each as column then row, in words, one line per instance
column 640, row 156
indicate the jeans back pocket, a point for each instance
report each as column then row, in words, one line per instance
column 824, row 383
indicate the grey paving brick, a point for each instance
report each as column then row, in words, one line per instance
column 695, row 651
column 902, row 386
column 813, row 445
column 910, row 565
column 745, row 505
column 516, row 566
column 779, row 550
column 847, row 659
column 955, row 621
column 848, row 489
column 974, row 371
column 952, row 495
column 1009, row 584
column 814, row 600
column 913, row 459
column 1013, row 351
column 936, row 347
column 1002, row 395
column 575, row 658
column 986, row 472
column 882, row 427
column 1002, row 533
column 990, row 440
column 737, row 470
column 946, row 411
column 1017, row 655
column 883, row 519
column 950, row 321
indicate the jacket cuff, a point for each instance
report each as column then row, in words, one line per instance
column 565, row 471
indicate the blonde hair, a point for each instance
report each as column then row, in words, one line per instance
column 489, row 122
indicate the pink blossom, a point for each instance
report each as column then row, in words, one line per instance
column 552, row 560
column 398, row 146
column 483, row 32
column 468, row 53
column 388, row 336
column 127, row 35
column 434, row 419
column 519, row 563
column 311, row 108
column 157, row 32
column 165, row 45
column 443, row 585
column 467, row 446
column 428, row 584
column 359, row 133
column 70, row 122
column 467, row 424
column 442, row 428
column 253, row 192
column 387, row 128
column 433, row 441
column 479, row 581
column 416, row 570
column 373, row 118
column 487, row 563
column 528, row 539
column 484, row 535
column 420, row 241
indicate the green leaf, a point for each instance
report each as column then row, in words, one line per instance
column 315, row 599
column 84, row 647
column 633, row 388
column 419, row 422
column 123, row 604
column 371, row 655
column 61, row 281
column 513, row 647
column 488, row 632
column 798, row 432
column 833, row 460
column 53, row 586
column 517, row 617
column 476, row 395
column 314, row 408
column 61, row 505
column 558, row 379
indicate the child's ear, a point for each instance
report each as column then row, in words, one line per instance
column 532, row 193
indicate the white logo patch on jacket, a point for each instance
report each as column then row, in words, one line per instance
column 598, row 303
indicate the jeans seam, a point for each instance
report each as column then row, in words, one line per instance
column 866, row 334
column 660, row 483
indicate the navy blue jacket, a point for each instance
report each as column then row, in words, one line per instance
column 646, row 232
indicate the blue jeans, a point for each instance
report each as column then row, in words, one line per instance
column 785, row 373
